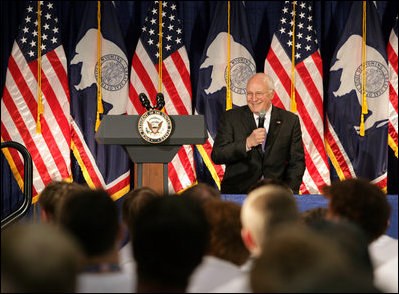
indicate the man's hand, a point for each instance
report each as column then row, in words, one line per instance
column 257, row 137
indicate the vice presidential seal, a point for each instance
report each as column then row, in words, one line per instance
column 155, row 126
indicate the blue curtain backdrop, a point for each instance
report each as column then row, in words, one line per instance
column 196, row 16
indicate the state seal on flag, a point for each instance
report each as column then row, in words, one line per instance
column 114, row 72
column 241, row 69
column 155, row 126
column 377, row 79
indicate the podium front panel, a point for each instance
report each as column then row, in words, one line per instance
column 123, row 130
column 151, row 153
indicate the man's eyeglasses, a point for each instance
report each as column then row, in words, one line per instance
column 258, row 94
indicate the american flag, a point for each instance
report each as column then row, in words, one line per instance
column 50, row 148
column 308, row 82
column 392, row 50
column 176, row 84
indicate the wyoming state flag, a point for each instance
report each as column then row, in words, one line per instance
column 99, row 52
column 358, row 96
column 226, row 65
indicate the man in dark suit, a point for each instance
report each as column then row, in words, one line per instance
column 238, row 142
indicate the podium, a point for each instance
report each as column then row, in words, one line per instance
column 151, row 159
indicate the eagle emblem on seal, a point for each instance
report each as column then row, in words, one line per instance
column 154, row 127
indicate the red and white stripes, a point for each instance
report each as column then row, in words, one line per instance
column 392, row 50
column 50, row 149
column 176, row 88
column 309, row 99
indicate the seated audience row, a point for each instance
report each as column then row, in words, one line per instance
column 196, row 242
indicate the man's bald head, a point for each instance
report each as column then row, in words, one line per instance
column 266, row 208
column 260, row 92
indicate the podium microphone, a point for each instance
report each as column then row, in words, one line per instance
column 142, row 96
column 262, row 115
column 144, row 101
column 160, row 101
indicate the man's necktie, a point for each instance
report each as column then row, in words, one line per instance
column 264, row 142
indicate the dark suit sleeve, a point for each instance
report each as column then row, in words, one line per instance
column 296, row 163
column 229, row 145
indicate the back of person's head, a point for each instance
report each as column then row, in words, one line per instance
column 296, row 260
column 38, row 258
column 351, row 240
column 267, row 182
column 134, row 201
column 312, row 215
column 92, row 217
column 225, row 231
column 264, row 209
column 360, row 202
column 202, row 192
column 169, row 239
column 53, row 194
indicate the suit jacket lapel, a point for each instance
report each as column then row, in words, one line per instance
column 274, row 129
column 249, row 119
column 250, row 125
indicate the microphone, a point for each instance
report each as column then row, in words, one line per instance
column 142, row 96
column 262, row 115
column 144, row 101
column 160, row 101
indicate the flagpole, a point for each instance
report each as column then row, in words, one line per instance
column 99, row 95
column 364, row 60
column 39, row 71
column 229, row 103
column 293, row 102
column 160, row 48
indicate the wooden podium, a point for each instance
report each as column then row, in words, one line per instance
column 151, row 159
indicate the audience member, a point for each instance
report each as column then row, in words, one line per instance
column 385, row 278
column 269, row 181
column 169, row 239
column 202, row 192
column 312, row 215
column 266, row 208
column 92, row 218
column 51, row 196
column 350, row 239
column 132, row 203
column 226, row 251
column 263, row 210
column 364, row 204
column 38, row 258
column 297, row 260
